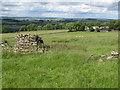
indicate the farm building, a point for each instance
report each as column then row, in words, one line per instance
column 101, row 28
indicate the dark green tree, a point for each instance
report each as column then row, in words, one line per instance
column 60, row 26
column 97, row 29
column 23, row 28
column 39, row 28
column 112, row 25
column 31, row 27
column 91, row 29
column 75, row 26
column 70, row 27
column 90, row 24
column 97, row 23
column 5, row 29
column 48, row 27
column 117, row 25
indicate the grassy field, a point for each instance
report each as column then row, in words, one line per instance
column 66, row 64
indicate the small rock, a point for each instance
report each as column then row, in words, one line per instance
column 114, row 53
column 109, row 57
column 100, row 60
column 2, row 45
column 103, row 56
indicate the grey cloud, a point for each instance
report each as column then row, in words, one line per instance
column 70, row 3
column 113, row 6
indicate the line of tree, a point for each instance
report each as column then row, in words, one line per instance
column 8, row 29
column 32, row 27
column 72, row 26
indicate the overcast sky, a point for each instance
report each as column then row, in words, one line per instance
column 60, row 8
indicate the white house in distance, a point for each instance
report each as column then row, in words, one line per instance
column 95, row 27
column 101, row 28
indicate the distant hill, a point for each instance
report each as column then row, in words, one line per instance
column 44, row 20
column 90, row 19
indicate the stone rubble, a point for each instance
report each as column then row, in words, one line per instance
column 25, row 44
column 115, row 54
column 111, row 56
column 28, row 43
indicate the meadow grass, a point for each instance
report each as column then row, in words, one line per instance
column 66, row 64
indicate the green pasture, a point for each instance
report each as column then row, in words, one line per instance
column 67, row 64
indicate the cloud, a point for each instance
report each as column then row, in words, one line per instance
column 60, row 8
column 105, row 1
column 62, row 15
column 113, row 7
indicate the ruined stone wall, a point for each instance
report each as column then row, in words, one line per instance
column 28, row 43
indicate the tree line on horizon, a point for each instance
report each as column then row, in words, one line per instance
column 72, row 26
